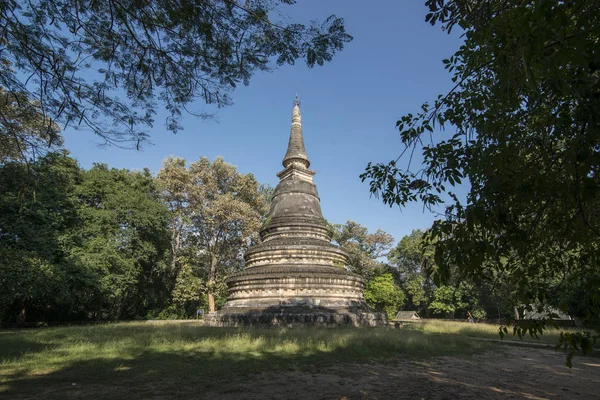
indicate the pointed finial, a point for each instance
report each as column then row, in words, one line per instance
column 296, row 153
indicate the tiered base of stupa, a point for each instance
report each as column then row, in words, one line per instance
column 294, row 295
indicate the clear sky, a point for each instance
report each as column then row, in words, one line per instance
column 349, row 110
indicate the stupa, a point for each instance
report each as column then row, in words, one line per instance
column 295, row 275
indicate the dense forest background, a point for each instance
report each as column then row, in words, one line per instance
column 114, row 244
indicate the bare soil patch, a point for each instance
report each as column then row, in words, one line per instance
column 512, row 373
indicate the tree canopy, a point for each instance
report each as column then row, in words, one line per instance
column 109, row 66
column 384, row 295
column 216, row 214
column 25, row 129
column 524, row 133
column 107, row 244
column 365, row 249
column 78, row 244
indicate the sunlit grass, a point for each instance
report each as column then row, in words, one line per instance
column 107, row 360
column 481, row 330
column 166, row 357
column 174, row 352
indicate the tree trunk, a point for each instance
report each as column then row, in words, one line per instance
column 22, row 315
column 211, row 284
column 175, row 246
column 516, row 313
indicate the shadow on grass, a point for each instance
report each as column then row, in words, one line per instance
column 151, row 359
column 186, row 360
column 171, row 375
column 16, row 346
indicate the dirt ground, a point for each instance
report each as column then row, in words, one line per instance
column 511, row 373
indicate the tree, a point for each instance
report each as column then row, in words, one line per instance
column 79, row 245
column 38, row 209
column 408, row 255
column 446, row 300
column 26, row 130
column 175, row 184
column 123, row 241
column 456, row 300
column 412, row 261
column 365, row 249
column 188, row 292
column 228, row 210
column 216, row 214
column 525, row 134
column 383, row 295
column 108, row 65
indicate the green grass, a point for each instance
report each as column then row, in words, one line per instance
column 481, row 330
column 162, row 357
column 478, row 330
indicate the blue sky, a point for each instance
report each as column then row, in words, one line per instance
column 349, row 110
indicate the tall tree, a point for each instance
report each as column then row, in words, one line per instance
column 216, row 214
column 412, row 262
column 38, row 209
column 175, row 182
column 228, row 210
column 123, row 241
column 108, row 65
column 78, row 245
column 525, row 134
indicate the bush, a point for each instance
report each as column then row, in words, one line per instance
column 383, row 295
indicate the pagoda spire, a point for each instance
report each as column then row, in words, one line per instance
column 296, row 153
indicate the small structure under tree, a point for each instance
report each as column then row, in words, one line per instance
column 407, row 315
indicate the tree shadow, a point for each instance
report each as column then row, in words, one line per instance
column 15, row 346
column 192, row 361
column 168, row 358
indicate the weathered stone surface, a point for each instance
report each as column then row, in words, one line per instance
column 295, row 276
column 296, row 153
column 299, row 317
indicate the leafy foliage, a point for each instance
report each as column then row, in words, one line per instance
column 576, row 341
column 79, row 244
column 38, row 209
column 455, row 301
column 411, row 262
column 216, row 214
column 383, row 295
column 122, row 240
column 365, row 249
column 446, row 300
column 525, row 134
column 26, row 130
column 108, row 65
column 111, row 244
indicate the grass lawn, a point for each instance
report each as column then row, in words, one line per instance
column 169, row 356
column 479, row 330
